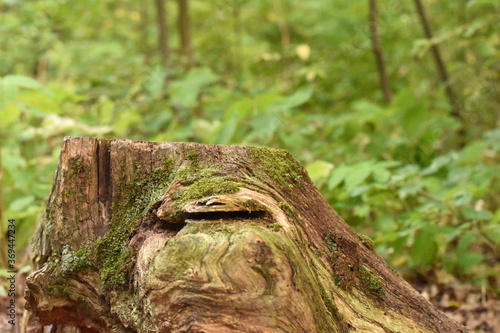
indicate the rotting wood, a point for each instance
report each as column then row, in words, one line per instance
column 183, row 237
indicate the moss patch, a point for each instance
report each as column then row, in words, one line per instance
column 371, row 282
column 77, row 261
column 275, row 227
column 367, row 241
column 199, row 183
column 252, row 205
column 209, row 186
column 287, row 209
column 330, row 306
column 134, row 199
column 279, row 165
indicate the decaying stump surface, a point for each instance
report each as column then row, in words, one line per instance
column 182, row 237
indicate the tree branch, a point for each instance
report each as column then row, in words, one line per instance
column 441, row 67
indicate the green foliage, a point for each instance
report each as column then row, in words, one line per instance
column 293, row 75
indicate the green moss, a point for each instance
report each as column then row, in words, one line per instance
column 57, row 290
column 134, row 199
column 371, row 282
column 193, row 156
column 331, row 242
column 275, row 227
column 330, row 306
column 128, row 307
column 279, row 165
column 199, row 182
column 209, row 186
column 75, row 165
column 367, row 241
column 287, row 209
column 77, row 261
column 252, row 205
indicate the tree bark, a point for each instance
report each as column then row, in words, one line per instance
column 163, row 38
column 441, row 67
column 183, row 237
column 379, row 53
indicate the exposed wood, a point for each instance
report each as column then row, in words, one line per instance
column 441, row 66
column 182, row 237
column 379, row 53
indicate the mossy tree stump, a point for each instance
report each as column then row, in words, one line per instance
column 181, row 237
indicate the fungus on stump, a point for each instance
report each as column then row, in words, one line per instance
column 182, row 237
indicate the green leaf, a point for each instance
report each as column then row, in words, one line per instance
column 21, row 204
column 318, row 170
column 462, row 198
column 493, row 138
column 155, row 83
column 357, row 174
column 125, row 120
column 8, row 94
column 424, row 248
column 436, row 164
column 472, row 214
column 264, row 125
column 300, row 97
column 468, row 259
column 22, row 81
column 227, row 129
column 185, row 92
column 411, row 111
column 409, row 190
column 473, row 153
column 338, row 176
column 10, row 116
column 362, row 211
column 40, row 102
column 381, row 175
column 386, row 224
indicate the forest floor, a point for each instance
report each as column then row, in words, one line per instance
column 471, row 306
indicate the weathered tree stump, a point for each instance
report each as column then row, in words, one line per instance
column 182, row 237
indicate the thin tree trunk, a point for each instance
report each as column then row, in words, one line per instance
column 163, row 37
column 182, row 237
column 144, row 27
column 237, row 64
column 379, row 53
column 441, row 67
column 185, row 33
column 284, row 27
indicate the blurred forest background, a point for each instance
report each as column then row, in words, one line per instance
column 393, row 110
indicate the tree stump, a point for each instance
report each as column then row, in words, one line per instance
column 182, row 237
